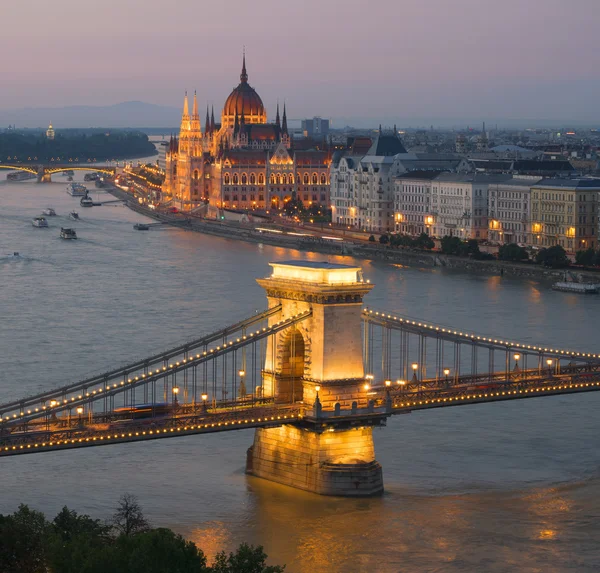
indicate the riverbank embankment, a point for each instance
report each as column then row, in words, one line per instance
column 402, row 256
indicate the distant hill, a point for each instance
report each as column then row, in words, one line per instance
column 126, row 114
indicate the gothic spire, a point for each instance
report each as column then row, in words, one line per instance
column 277, row 120
column 212, row 119
column 244, row 74
column 185, row 116
column 284, row 127
column 195, row 124
column 207, row 122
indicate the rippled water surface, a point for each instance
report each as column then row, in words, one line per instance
column 497, row 487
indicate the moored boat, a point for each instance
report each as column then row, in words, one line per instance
column 86, row 202
column 20, row 176
column 39, row 222
column 76, row 190
column 141, row 227
column 67, row 233
column 579, row 288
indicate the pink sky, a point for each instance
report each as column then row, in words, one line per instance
column 434, row 58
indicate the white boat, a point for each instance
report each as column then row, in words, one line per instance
column 77, row 190
column 579, row 288
column 49, row 211
column 74, row 215
column 86, row 202
column 67, row 233
column 20, row 176
column 39, row 222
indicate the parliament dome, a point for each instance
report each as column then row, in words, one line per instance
column 243, row 101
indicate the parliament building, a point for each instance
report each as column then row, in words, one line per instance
column 243, row 162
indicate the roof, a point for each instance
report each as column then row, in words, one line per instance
column 260, row 131
column 240, row 156
column 311, row 157
column 386, row 145
column 472, row 178
column 549, row 165
column 579, row 184
column 316, row 265
column 424, row 175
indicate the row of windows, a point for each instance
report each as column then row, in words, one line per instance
column 275, row 179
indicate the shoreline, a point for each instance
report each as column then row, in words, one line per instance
column 247, row 233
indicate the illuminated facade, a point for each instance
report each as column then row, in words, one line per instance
column 243, row 162
column 509, row 208
column 565, row 212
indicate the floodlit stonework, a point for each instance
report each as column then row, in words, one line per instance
column 319, row 361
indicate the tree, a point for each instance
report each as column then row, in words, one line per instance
column 73, row 541
column 384, row 239
column 512, row 252
column 22, row 537
column 154, row 551
column 247, row 559
column 372, row 238
column 424, row 241
column 586, row 258
column 451, row 245
column 129, row 518
column 554, row 257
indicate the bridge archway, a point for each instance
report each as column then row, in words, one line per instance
column 291, row 357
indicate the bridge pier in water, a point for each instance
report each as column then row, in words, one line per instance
column 318, row 362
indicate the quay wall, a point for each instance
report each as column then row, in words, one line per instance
column 402, row 256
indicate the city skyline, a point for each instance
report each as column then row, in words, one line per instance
column 479, row 60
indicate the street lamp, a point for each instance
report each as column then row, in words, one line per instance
column 447, row 373
column 549, row 363
column 415, row 367
column 204, row 399
column 175, row 392
column 79, row 413
column 517, row 357
column 366, row 386
column 242, row 392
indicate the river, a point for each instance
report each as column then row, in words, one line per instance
column 496, row 487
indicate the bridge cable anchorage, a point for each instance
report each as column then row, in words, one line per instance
column 61, row 402
column 135, row 366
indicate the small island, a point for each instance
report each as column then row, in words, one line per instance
column 74, row 145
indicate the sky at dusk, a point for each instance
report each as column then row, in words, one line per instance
column 350, row 58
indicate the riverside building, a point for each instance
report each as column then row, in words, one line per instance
column 565, row 212
column 509, row 209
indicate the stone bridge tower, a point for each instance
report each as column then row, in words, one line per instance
column 318, row 363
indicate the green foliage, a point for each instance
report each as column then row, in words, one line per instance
column 98, row 146
column 587, row 258
column 22, row 541
column 451, row 245
column 372, row 239
column 554, row 257
column 247, row 559
column 75, row 543
column 384, row 239
column 512, row 252
column 424, row 241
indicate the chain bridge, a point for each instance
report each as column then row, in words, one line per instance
column 313, row 374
